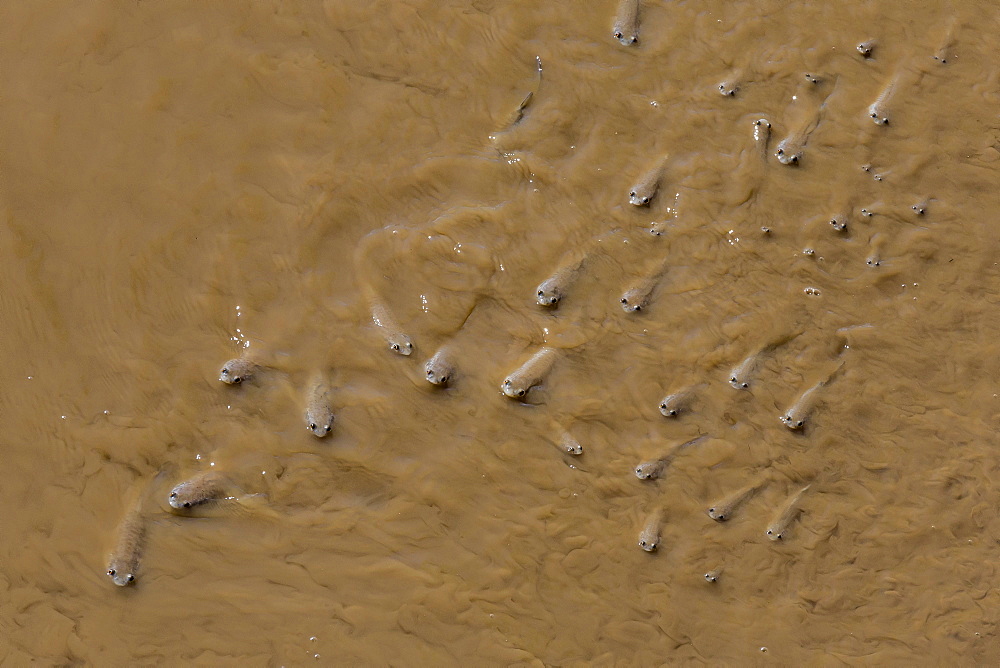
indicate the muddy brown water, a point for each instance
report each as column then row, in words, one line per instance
column 185, row 182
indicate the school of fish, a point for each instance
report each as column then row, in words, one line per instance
column 533, row 369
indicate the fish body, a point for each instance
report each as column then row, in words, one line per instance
column 399, row 342
column 123, row 562
column 626, row 26
column 237, row 370
column 676, row 403
column 529, row 374
column 878, row 110
column 723, row 509
column 637, row 296
column 798, row 413
column 319, row 414
column 202, row 488
column 123, row 565
column 649, row 537
column 569, row 444
column 644, row 190
column 552, row 290
column 741, row 375
column 440, row 368
column 654, row 468
column 785, row 515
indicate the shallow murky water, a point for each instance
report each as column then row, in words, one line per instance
column 186, row 183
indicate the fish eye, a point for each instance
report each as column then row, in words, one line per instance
column 520, row 393
column 745, row 385
column 642, row 543
column 618, row 34
column 645, row 200
column 632, row 194
column 312, row 426
column 111, row 572
column 733, row 379
column 781, row 151
column 328, row 428
column 445, row 379
column 394, row 346
column 237, row 380
column 541, row 293
column 409, row 346
column 799, row 423
column 663, row 407
column 624, row 300
column 226, row 370
column 186, row 504
column 770, row 533
column 130, row 578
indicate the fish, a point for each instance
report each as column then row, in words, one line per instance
column 636, row 297
column 649, row 537
column 874, row 258
column 795, row 417
column 202, row 488
column 839, row 221
column 654, row 468
column 783, row 517
column 397, row 339
column 645, row 189
column 739, row 376
column 237, row 370
column 529, row 374
column 791, row 148
column 866, row 48
column 730, row 87
column 677, row 402
column 713, row 575
column 569, row 444
column 626, row 26
column 319, row 415
column 943, row 52
column 123, row 562
column 440, row 368
column 552, row 290
column 878, row 110
column 399, row 342
column 723, row 509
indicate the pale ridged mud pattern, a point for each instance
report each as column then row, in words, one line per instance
column 185, row 183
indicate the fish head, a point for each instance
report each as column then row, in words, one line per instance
column 400, row 344
column 230, row 373
column 120, row 576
